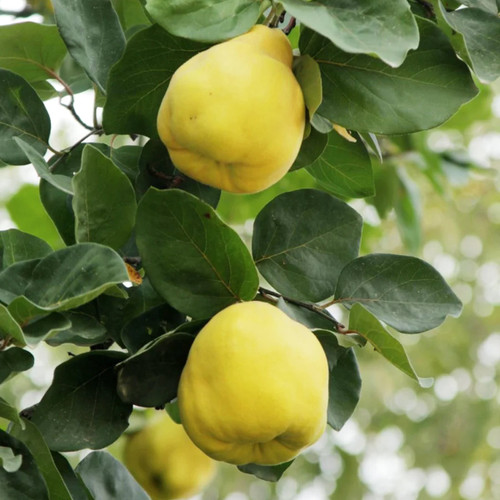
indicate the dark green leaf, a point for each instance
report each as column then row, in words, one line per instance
column 311, row 149
column 126, row 158
column 312, row 319
column 15, row 278
column 75, row 275
column 266, row 472
column 302, row 240
column 481, row 32
column 151, row 376
column 9, row 328
column 205, row 20
column 157, row 170
column 93, row 35
column 150, row 325
column 367, row 325
column 385, row 28
column 104, row 201
column 344, row 386
column 27, row 482
column 107, row 479
column 27, row 212
column 344, row 168
column 362, row 93
column 84, row 330
column 73, row 482
column 308, row 74
column 23, row 115
column 16, row 246
column 137, row 83
column 24, row 311
column 81, row 408
column 14, row 360
column 408, row 212
column 60, row 182
column 32, row 50
column 32, row 438
column 196, row 263
column 45, row 327
column 404, row 292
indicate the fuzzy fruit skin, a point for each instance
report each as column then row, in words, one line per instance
column 165, row 462
column 255, row 386
column 233, row 116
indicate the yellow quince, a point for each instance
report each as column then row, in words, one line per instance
column 233, row 116
column 255, row 386
column 165, row 462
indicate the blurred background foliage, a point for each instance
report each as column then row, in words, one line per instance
column 438, row 198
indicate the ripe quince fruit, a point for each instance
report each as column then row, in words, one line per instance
column 165, row 462
column 255, row 386
column 233, row 116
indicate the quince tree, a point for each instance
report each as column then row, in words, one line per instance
column 208, row 114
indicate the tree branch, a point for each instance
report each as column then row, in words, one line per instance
column 338, row 327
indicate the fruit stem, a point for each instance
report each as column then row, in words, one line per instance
column 338, row 327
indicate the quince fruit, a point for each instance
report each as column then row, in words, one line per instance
column 165, row 462
column 255, row 386
column 233, row 116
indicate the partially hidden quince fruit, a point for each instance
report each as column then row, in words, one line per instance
column 165, row 462
column 233, row 116
column 255, row 386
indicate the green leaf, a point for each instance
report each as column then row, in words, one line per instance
column 44, row 327
column 23, row 310
column 385, row 28
column 151, row 376
column 32, row 438
column 205, row 20
column 131, row 13
column 302, row 240
column 137, row 83
column 9, row 461
column 308, row 74
column 481, row 32
column 126, row 158
column 104, row 201
column 490, row 6
column 404, row 292
column 81, row 408
column 344, row 168
column 368, row 326
column 14, row 360
column 107, row 479
column 344, row 383
column 15, row 278
column 84, row 330
column 156, row 169
column 408, row 212
column 22, row 114
column 93, row 35
column 57, row 203
column 60, row 182
column 26, row 483
column 362, row 93
column 17, row 246
column 266, row 472
column 32, row 50
column 8, row 412
column 311, row 149
column 75, row 275
column 195, row 262
column 73, row 482
column 150, row 325
column 9, row 328
column 27, row 212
